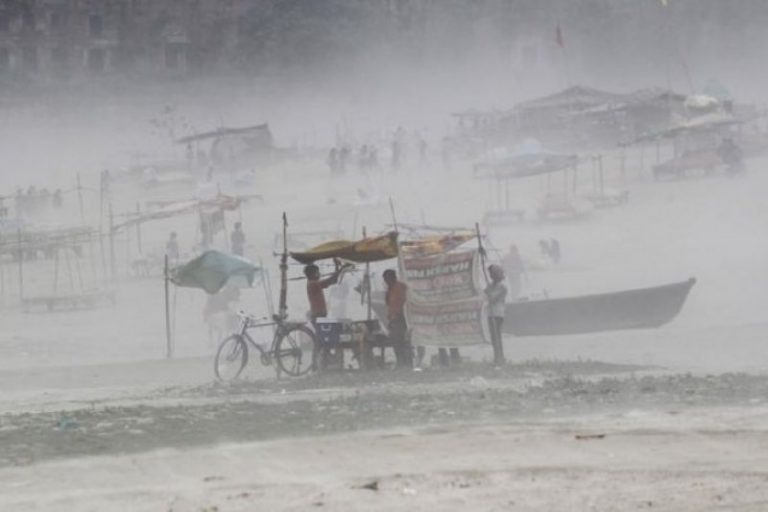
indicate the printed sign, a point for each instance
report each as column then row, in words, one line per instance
column 447, row 324
column 441, row 278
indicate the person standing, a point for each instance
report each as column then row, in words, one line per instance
column 496, row 294
column 237, row 240
column 316, row 290
column 554, row 249
column 333, row 161
column 397, row 294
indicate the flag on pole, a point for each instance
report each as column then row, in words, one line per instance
column 559, row 36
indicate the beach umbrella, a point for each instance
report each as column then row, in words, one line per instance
column 212, row 270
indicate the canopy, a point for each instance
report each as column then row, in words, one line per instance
column 227, row 132
column 367, row 250
column 212, row 270
column 220, row 202
column 433, row 245
column 524, row 165
column 706, row 123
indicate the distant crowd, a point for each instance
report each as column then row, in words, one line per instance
column 34, row 201
column 344, row 157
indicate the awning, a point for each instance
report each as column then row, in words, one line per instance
column 367, row 250
column 433, row 245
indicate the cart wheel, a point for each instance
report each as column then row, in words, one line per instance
column 231, row 358
column 295, row 350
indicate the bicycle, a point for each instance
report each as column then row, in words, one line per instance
column 293, row 346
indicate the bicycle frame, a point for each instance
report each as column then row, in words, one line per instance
column 279, row 328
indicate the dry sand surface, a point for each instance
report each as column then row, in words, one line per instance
column 554, row 436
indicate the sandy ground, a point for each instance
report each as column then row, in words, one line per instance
column 567, row 436
column 93, row 418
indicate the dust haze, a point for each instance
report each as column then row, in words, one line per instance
column 607, row 155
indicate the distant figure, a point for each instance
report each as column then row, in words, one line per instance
column 237, row 240
column 343, row 159
column 731, row 155
column 373, row 159
column 513, row 267
column 333, row 161
column 496, row 294
column 395, row 298
column 106, row 182
column 554, row 250
column 172, row 248
column 422, row 151
column 362, row 159
column 58, row 201
column 190, row 154
column 546, row 251
column 206, row 232
column 396, row 155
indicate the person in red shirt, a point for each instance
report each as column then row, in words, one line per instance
column 397, row 294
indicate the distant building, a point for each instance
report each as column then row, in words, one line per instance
column 70, row 39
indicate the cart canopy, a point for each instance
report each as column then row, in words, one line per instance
column 367, row 250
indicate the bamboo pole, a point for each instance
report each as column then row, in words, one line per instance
column 283, row 304
column 56, row 272
column 168, row 338
column 138, row 228
column 367, row 283
column 80, row 199
column 112, row 260
column 21, row 265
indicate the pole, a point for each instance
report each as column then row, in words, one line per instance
column 138, row 228
column 112, row 263
column 101, row 227
column 80, row 199
column 392, row 211
column 367, row 283
column 481, row 251
column 283, row 305
column 601, row 173
column 21, row 266
column 168, row 339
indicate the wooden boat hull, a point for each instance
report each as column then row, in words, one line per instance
column 631, row 309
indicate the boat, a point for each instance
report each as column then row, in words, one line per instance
column 630, row 309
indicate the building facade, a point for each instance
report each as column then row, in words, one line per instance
column 71, row 39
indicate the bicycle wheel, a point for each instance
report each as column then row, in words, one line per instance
column 231, row 358
column 295, row 350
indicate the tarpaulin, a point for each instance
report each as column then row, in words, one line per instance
column 368, row 250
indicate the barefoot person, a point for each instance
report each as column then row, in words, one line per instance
column 316, row 290
column 496, row 294
column 396, row 296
